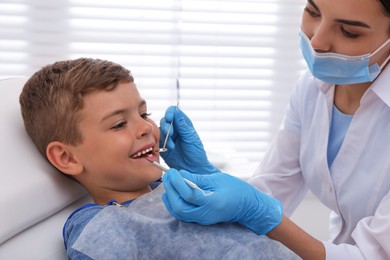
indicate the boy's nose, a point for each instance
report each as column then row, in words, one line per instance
column 143, row 128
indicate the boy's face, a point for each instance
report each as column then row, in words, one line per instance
column 116, row 128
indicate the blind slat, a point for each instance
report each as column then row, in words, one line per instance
column 236, row 61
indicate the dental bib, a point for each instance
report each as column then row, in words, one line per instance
column 146, row 230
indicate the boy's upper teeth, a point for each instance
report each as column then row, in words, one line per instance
column 142, row 152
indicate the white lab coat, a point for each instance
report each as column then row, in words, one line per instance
column 356, row 187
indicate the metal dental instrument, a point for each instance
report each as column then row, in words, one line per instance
column 157, row 165
column 190, row 183
column 164, row 149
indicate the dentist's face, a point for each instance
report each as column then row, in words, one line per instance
column 350, row 27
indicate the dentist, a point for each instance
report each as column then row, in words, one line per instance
column 334, row 141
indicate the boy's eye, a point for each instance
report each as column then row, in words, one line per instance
column 349, row 34
column 311, row 13
column 119, row 125
column 145, row 115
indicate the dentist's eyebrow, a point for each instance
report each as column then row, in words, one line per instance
column 343, row 21
column 353, row 23
column 314, row 5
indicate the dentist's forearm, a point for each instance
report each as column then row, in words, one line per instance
column 297, row 240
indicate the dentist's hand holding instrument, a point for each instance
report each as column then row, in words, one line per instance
column 231, row 200
column 188, row 182
column 184, row 147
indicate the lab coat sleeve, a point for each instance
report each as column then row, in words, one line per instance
column 279, row 173
column 372, row 233
column 371, row 236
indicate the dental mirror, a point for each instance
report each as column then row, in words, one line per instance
column 164, row 149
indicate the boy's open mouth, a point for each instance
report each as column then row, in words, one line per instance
column 148, row 152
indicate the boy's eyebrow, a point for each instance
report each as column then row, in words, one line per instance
column 142, row 103
column 114, row 113
column 122, row 111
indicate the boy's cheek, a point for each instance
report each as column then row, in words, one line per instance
column 156, row 131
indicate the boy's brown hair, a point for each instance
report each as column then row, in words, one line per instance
column 52, row 98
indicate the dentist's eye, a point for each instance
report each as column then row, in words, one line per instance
column 119, row 125
column 311, row 13
column 146, row 115
column 348, row 34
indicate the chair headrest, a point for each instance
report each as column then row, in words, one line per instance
column 31, row 189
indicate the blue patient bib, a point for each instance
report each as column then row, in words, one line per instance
column 146, row 230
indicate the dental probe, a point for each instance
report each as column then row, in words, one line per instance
column 190, row 183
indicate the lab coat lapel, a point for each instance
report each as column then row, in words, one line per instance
column 315, row 143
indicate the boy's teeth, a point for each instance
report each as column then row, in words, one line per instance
column 144, row 152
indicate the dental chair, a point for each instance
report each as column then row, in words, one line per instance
column 35, row 199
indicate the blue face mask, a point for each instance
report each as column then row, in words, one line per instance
column 340, row 69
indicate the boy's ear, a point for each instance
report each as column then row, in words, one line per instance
column 63, row 159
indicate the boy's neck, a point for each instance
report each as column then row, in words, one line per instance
column 102, row 197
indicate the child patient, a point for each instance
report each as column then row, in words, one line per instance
column 88, row 119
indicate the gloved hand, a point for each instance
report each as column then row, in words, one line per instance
column 232, row 200
column 185, row 149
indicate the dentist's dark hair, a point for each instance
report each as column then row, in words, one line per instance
column 385, row 7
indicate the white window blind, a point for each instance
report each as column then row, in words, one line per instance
column 231, row 63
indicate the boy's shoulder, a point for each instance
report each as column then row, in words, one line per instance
column 78, row 219
column 76, row 223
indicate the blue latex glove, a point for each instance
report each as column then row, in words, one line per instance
column 232, row 200
column 185, row 149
